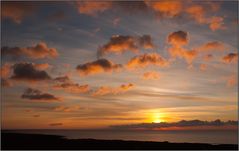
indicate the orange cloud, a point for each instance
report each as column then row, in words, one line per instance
column 230, row 58
column 16, row 11
column 98, row 66
column 42, row 66
column 188, row 55
column 216, row 23
column 104, row 90
column 6, row 83
column 146, row 60
column 119, row 44
column 67, row 109
column 73, row 87
column 197, row 12
column 151, row 75
column 178, row 38
column 6, row 70
column 232, row 80
column 66, row 84
column 166, row 8
column 203, row 67
column 93, row 7
column 214, row 45
column 38, row 51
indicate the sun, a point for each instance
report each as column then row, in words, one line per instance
column 157, row 118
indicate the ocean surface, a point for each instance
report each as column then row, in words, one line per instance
column 211, row 137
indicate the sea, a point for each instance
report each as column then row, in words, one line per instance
column 205, row 136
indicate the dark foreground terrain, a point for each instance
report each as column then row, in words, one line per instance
column 17, row 141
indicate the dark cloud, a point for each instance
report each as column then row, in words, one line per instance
column 183, row 123
column 64, row 83
column 62, row 79
column 98, row 66
column 230, row 58
column 34, row 94
column 119, row 44
column 28, row 72
column 178, row 38
column 39, row 51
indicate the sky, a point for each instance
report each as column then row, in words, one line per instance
column 88, row 64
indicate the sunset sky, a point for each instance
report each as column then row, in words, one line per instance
column 97, row 64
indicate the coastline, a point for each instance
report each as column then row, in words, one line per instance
column 20, row 141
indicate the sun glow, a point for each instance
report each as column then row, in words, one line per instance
column 157, row 118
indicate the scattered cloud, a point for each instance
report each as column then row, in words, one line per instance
column 28, row 72
column 67, row 108
column 230, row 58
column 62, row 79
column 212, row 46
column 178, row 38
column 39, row 51
column 73, row 87
column 146, row 60
column 188, row 55
column 216, row 23
column 104, row 90
column 42, row 66
column 98, row 66
column 232, row 80
column 16, row 11
column 37, row 95
column 6, row 70
column 203, row 67
column 92, row 8
column 6, row 83
column 67, row 85
column 166, row 8
column 119, row 44
column 199, row 14
column 208, row 57
column 151, row 75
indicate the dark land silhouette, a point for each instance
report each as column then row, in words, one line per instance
column 19, row 141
